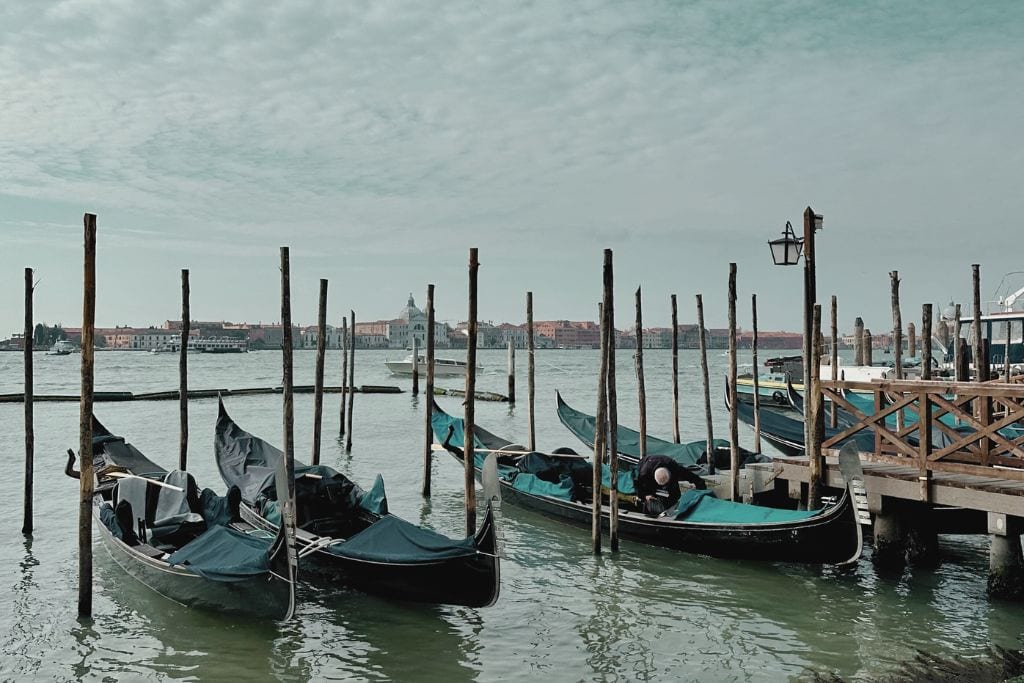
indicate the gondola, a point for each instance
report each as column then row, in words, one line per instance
column 691, row 455
column 787, row 433
column 558, row 486
column 186, row 545
column 346, row 534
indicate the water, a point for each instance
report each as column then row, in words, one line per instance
column 645, row 614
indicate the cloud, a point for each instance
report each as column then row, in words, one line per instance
column 395, row 131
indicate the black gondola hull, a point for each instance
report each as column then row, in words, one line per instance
column 471, row 581
column 833, row 537
column 265, row 596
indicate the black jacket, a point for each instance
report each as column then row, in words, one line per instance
column 669, row 493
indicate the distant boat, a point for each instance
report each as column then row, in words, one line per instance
column 443, row 367
column 63, row 347
column 218, row 345
column 171, row 347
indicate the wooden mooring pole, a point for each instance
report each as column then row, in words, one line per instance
column 734, row 434
column 86, row 479
column 710, row 445
column 287, row 381
column 600, row 433
column 469, row 444
column 755, row 373
column 911, row 340
column 675, row 371
column 532, row 435
column 815, row 421
column 344, row 376
column 641, row 390
column 613, row 410
column 926, row 341
column 429, row 429
column 1006, row 352
column 980, row 368
column 869, row 348
column 834, row 358
column 186, row 328
column 960, row 361
column 511, row 371
column 318, row 380
column 28, row 343
column 351, row 395
column 415, row 366
column 858, row 341
column 897, row 326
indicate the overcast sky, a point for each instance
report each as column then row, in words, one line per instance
column 381, row 140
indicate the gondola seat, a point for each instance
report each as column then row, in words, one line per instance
column 167, row 515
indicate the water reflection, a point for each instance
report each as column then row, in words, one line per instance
column 345, row 634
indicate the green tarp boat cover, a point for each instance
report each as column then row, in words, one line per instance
column 582, row 425
column 702, row 506
column 250, row 463
column 224, row 554
column 531, row 483
column 375, row 500
column 526, row 477
column 394, row 540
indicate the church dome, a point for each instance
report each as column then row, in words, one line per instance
column 410, row 311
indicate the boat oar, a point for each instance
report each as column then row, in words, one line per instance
column 500, row 451
column 126, row 475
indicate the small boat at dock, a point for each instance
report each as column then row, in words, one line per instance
column 559, row 486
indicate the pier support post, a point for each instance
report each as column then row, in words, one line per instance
column 889, row 533
column 905, row 534
column 1006, row 561
column 922, row 536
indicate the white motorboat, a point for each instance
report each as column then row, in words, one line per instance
column 443, row 367
column 63, row 347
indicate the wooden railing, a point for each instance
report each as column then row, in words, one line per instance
column 973, row 444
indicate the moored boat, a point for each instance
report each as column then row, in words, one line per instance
column 692, row 455
column 188, row 546
column 346, row 534
column 557, row 485
column 787, row 433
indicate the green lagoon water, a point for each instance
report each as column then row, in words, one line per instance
column 644, row 614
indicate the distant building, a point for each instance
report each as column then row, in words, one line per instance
column 566, row 334
column 399, row 333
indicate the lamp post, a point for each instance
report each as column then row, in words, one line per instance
column 786, row 251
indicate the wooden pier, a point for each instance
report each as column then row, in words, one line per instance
column 948, row 458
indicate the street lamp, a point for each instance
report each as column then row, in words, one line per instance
column 786, row 251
